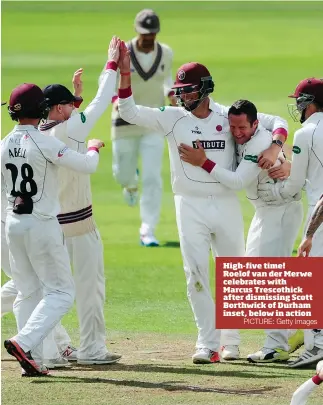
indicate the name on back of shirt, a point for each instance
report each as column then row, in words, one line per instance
column 17, row 152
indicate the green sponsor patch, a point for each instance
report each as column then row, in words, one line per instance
column 162, row 108
column 83, row 117
column 296, row 149
column 252, row 158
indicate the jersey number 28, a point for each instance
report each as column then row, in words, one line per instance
column 27, row 175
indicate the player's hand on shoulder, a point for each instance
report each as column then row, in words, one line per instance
column 114, row 49
column 95, row 143
column 268, row 157
column 77, row 82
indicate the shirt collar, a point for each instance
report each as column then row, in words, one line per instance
column 314, row 118
column 25, row 127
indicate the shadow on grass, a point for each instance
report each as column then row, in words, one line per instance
column 171, row 244
column 167, row 385
column 256, row 373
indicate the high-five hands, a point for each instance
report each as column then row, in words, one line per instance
column 114, row 49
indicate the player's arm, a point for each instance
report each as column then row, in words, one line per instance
column 279, row 128
column 245, row 174
column 168, row 79
column 79, row 125
column 297, row 178
column 59, row 154
column 153, row 118
column 301, row 395
column 315, row 222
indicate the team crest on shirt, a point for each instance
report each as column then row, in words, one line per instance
column 215, row 145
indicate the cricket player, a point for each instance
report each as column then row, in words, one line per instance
column 82, row 235
column 151, row 64
column 208, row 214
column 273, row 229
column 302, row 393
column 39, row 261
column 314, row 224
column 306, row 171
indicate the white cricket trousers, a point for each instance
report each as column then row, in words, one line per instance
column 203, row 223
column 86, row 255
column 41, row 272
column 8, row 295
column 314, row 337
column 272, row 233
column 126, row 152
column 8, row 290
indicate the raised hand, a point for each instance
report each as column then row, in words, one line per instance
column 124, row 61
column 77, row 82
column 114, row 49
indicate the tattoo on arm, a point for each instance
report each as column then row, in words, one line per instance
column 316, row 220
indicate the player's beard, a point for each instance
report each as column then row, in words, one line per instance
column 147, row 44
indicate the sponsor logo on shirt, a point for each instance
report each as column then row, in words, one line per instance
column 162, row 108
column 252, row 158
column 196, row 131
column 83, row 117
column 296, row 149
column 62, row 151
column 215, row 145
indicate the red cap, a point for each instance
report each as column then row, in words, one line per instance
column 310, row 86
column 190, row 74
column 26, row 98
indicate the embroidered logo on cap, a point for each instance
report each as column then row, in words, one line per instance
column 181, row 75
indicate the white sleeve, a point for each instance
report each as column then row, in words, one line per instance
column 79, row 126
column 168, row 80
column 247, row 171
column 301, row 395
column 272, row 123
column 158, row 119
column 300, row 161
column 59, row 154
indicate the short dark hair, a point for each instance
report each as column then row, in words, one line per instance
column 244, row 107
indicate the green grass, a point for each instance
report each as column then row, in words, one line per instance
column 254, row 50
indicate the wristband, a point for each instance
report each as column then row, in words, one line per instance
column 124, row 93
column 281, row 131
column 208, row 165
column 316, row 380
column 111, row 65
column 93, row 148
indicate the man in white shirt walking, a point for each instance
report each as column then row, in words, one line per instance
column 151, row 64
column 208, row 214
column 306, row 171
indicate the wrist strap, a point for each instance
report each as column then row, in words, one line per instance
column 125, row 73
column 93, row 148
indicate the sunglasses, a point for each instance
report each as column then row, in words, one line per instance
column 187, row 89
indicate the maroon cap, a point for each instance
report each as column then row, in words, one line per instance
column 26, row 98
column 190, row 74
column 311, row 86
